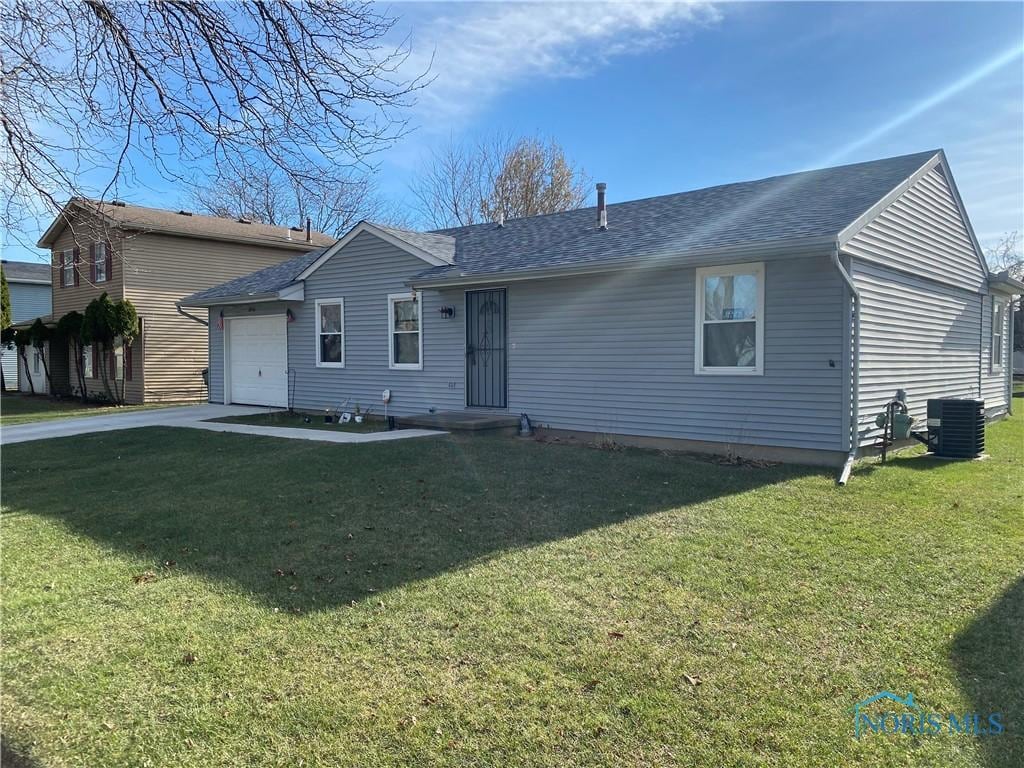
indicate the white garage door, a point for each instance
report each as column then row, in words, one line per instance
column 258, row 361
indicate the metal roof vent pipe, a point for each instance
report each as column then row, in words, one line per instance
column 602, row 210
column 501, row 218
column 309, row 230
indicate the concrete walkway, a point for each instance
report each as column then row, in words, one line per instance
column 192, row 416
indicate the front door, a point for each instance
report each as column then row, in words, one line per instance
column 486, row 361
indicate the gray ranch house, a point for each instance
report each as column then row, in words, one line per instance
column 771, row 318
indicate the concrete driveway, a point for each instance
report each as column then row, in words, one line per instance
column 193, row 416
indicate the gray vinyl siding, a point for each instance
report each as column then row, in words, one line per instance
column 363, row 274
column 923, row 232
column 29, row 301
column 614, row 354
column 917, row 335
column 602, row 353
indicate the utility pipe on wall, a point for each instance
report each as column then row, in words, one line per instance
column 844, row 475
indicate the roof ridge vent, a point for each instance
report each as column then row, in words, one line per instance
column 243, row 220
column 185, row 213
column 118, row 203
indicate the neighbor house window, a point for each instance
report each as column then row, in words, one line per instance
column 87, row 361
column 406, row 339
column 730, row 320
column 118, row 360
column 67, row 270
column 330, row 333
column 99, row 262
column 998, row 320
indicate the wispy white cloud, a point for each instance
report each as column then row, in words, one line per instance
column 480, row 51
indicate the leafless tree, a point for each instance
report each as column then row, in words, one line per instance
column 92, row 87
column 466, row 183
column 262, row 193
column 1006, row 256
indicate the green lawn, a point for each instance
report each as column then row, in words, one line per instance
column 316, row 421
column 179, row 597
column 22, row 409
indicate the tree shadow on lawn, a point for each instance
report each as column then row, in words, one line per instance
column 308, row 526
column 989, row 659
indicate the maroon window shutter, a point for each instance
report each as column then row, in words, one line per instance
column 128, row 362
column 110, row 262
column 59, row 260
column 92, row 263
column 112, row 363
column 95, row 360
column 75, row 270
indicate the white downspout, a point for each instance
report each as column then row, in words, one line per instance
column 844, row 475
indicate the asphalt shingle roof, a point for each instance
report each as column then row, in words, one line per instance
column 441, row 246
column 817, row 203
column 265, row 281
column 809, row 204
column 140, row 217
column 35, row 272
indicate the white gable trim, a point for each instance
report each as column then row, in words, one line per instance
column 365, row 226
column 938, row 159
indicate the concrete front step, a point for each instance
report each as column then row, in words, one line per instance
column 464, row 421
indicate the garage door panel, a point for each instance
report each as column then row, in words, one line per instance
column 258, row 361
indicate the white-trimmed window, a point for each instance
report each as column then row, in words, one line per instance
column 87, row 371
column 405, row 337
column 118, row 361
column 99, row 260
column 67, row 268
column 730, row 320
column 330, row 333
column 998, row 321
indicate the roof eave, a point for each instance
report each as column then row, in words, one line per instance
column 290, row 292
column 1003, row 281
column 790, row 248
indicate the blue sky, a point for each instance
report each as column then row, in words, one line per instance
column 661, row 98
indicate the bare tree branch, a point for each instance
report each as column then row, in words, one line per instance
column 90, row 87
column 262, row 193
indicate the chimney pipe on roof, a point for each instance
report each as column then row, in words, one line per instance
column 309, row 230
column 602, row 211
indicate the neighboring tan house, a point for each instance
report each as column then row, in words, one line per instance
column 767, row 318
column 29, row 284
column 152, row 257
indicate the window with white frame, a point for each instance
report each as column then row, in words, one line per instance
column 330, row 333
column 730, row 320
column 99, row 260
column 87, row 371
column 998, row 321
column 67, row 273
column 404, row 329
column 119, row 359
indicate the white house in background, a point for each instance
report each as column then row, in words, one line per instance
column 29, row 284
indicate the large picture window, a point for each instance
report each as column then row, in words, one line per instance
column 330, row 333
column 404, row 330
column 730, row 320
